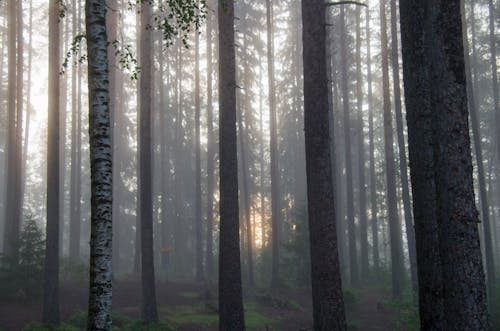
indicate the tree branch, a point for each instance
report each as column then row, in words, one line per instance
column 338, row 3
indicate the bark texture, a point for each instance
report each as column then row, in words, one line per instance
column 101, row 232
column 231, row 317
column 149, row 312
column 50, row 311
column 328, row 305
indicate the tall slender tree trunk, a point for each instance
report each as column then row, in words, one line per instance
column 75, row 194
column 149, row 312
column 197, row 216
column 19, row 111
column 209, row 260
column 112, row 31
column 275, row 176
column 101, row 164
column 353, row 255
column 403, row 166
column 50, row 308
column 494, row 71
column 12, row 215
column 472, row 83
column 373, row 187
column 28, row 105
column 245, row 194
column 394, row 225
column 231, row 317
column 328, row 305
column 62, row 135
column 363, row 223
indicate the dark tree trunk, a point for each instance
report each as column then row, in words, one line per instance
column 149, row 312
column 12, row 214
column 50, row 312
column 403, row 166
column 421, row 155
column 328, row 305
column 351, row 227
column 472, row 83
column 444, row 186
column 275, row 175
column 392, row 203
column 231, row 317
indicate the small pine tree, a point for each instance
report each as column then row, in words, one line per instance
column 23, row 280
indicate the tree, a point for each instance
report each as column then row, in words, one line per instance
column 435, row 84
column 197, row 215
column 231, row 316
column 12, row 208
column 373, row 189
column 275, row 193
column 351, row 227
column 328, row 306
column 100, row 287
column 50, row 314
column 403, row 165
column 209, row 264
column 149, row 312
column 394, row 224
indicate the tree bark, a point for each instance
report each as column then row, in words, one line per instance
column 231, row 317
column 403, row 166
column 100, row 288
column 50, row 308
column 209, row 261
column 472, row 83
column 149, row 312
column 328, row 306
column 394, row 225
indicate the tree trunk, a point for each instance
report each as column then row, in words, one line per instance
column 231, row 317
column 75, row 194
column 275, row 175
column 197, row 216
column 392, row 203
column 438, row 90
column 50, row 312
column 472, row 83
column 99, row 310
column 149, row 312
column 351, row 227
column 363, row 226
column 12, row 215
column 210, row 153
column 494, row 73
column 373, row 187
column 328, row 306
column 403, row 166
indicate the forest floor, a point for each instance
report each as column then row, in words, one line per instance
column 193, row 307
